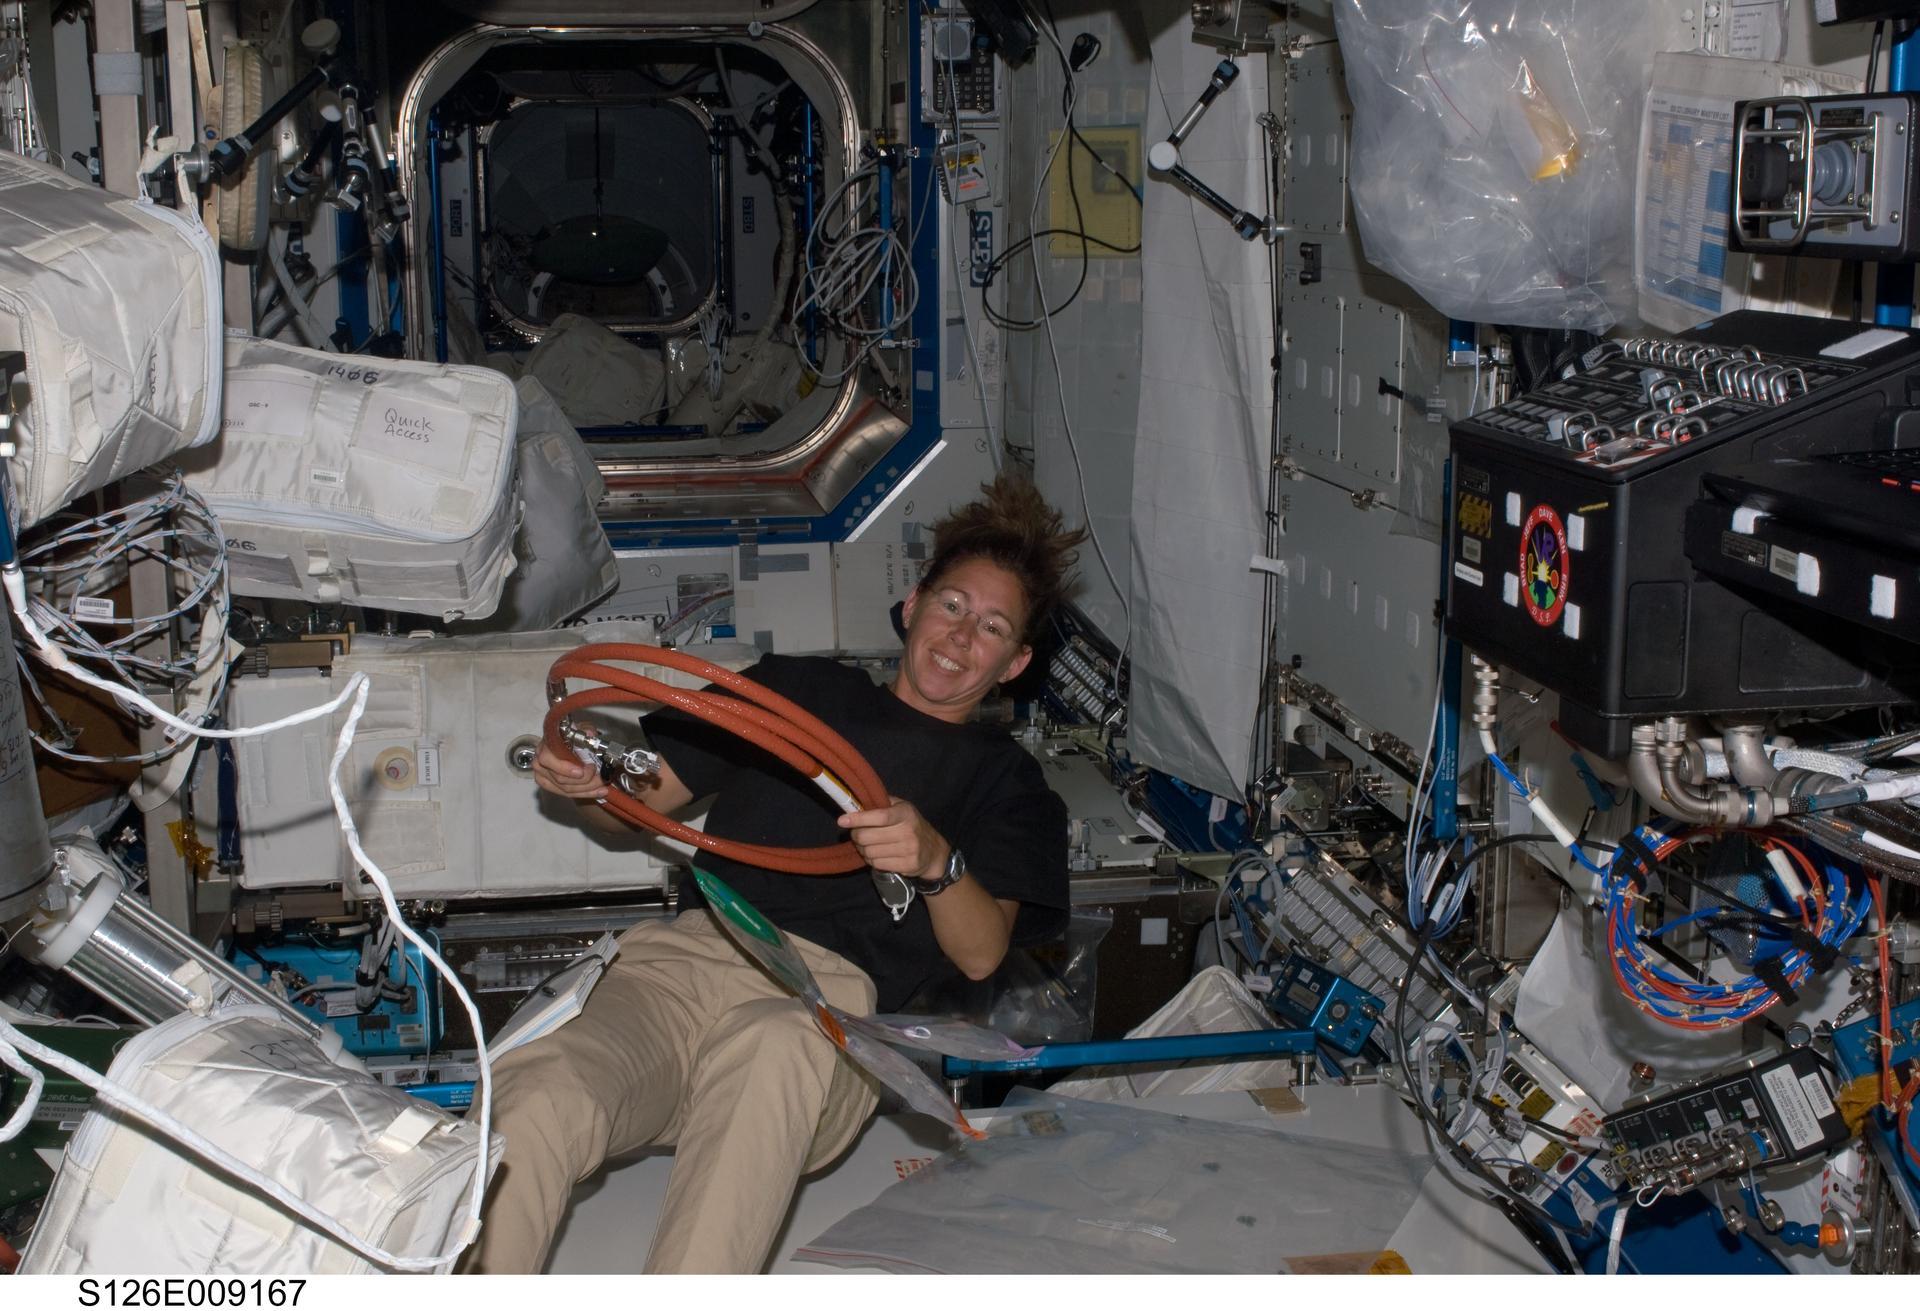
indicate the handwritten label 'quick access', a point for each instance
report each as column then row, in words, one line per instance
column 434, row 436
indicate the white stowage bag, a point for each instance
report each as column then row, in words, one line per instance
column 395, row 1172
column 116, row 305
column 364, row 481
column 600, row 378
column 565, row 560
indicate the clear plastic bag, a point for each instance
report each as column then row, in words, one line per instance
column 1038, row 995
column 863, row 1041
column 1493, row 151
column 1071, row 1187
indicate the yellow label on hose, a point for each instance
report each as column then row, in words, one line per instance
column 842, row 796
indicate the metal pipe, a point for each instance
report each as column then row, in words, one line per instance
column 138, row 973
column 1224, row 74
column 1693, row 806
column 438, row 256
column 1747, row 755
column 89, row 926
column 1643, row 771
column 1486, row 695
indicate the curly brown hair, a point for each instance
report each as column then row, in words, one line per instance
column 1013, row 526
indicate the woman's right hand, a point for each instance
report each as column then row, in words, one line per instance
column 567, row 775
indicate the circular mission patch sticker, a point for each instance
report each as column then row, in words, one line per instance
column 1543, row 565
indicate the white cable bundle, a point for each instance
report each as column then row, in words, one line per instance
column 69, row 574
column 841, row 270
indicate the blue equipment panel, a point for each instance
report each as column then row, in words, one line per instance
column 1314, row 997
column 1857, row 1047
column 390, row 1028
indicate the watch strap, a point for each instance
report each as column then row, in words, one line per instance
column 955, row 871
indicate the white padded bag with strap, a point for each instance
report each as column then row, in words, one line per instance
column 116, row 305
column 394, row 1171
column 364, row 481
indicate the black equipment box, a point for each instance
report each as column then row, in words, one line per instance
column 1776, row 1110
column 1566, row 525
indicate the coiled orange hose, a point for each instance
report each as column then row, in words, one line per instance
column 762, row 717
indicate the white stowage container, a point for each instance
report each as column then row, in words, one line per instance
column 392, row 1170
column 439, row 807
column 374, row 482
column 116, row 305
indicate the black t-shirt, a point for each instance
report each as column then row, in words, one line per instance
column 974, row 784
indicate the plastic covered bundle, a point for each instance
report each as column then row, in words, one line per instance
column 1493, row 151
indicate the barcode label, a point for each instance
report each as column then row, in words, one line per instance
column 1817, row 1095
column 93, row 609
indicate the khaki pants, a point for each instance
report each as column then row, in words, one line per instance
column 684, row 1042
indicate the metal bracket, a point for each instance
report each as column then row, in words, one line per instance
column 1165, row 158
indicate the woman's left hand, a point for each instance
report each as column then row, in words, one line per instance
column 897, row 837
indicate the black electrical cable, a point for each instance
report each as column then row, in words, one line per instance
column 1533, row 1122
column 1873, row 55
column 1003, row 320
column 1888, row 747
column 272, row 967
column 1528, row 1207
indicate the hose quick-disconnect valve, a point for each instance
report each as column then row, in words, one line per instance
column 1486, row 695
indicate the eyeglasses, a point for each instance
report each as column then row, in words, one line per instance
column 992, row 627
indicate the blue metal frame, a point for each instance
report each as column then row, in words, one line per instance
column 1445, row 825
column 1142, row 1051
column 1893, row 293
column 924, row 429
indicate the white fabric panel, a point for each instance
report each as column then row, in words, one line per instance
column 116, row 304
column 1206, row 415
column 389, row 1168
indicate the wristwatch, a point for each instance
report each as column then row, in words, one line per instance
column 955, row 871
